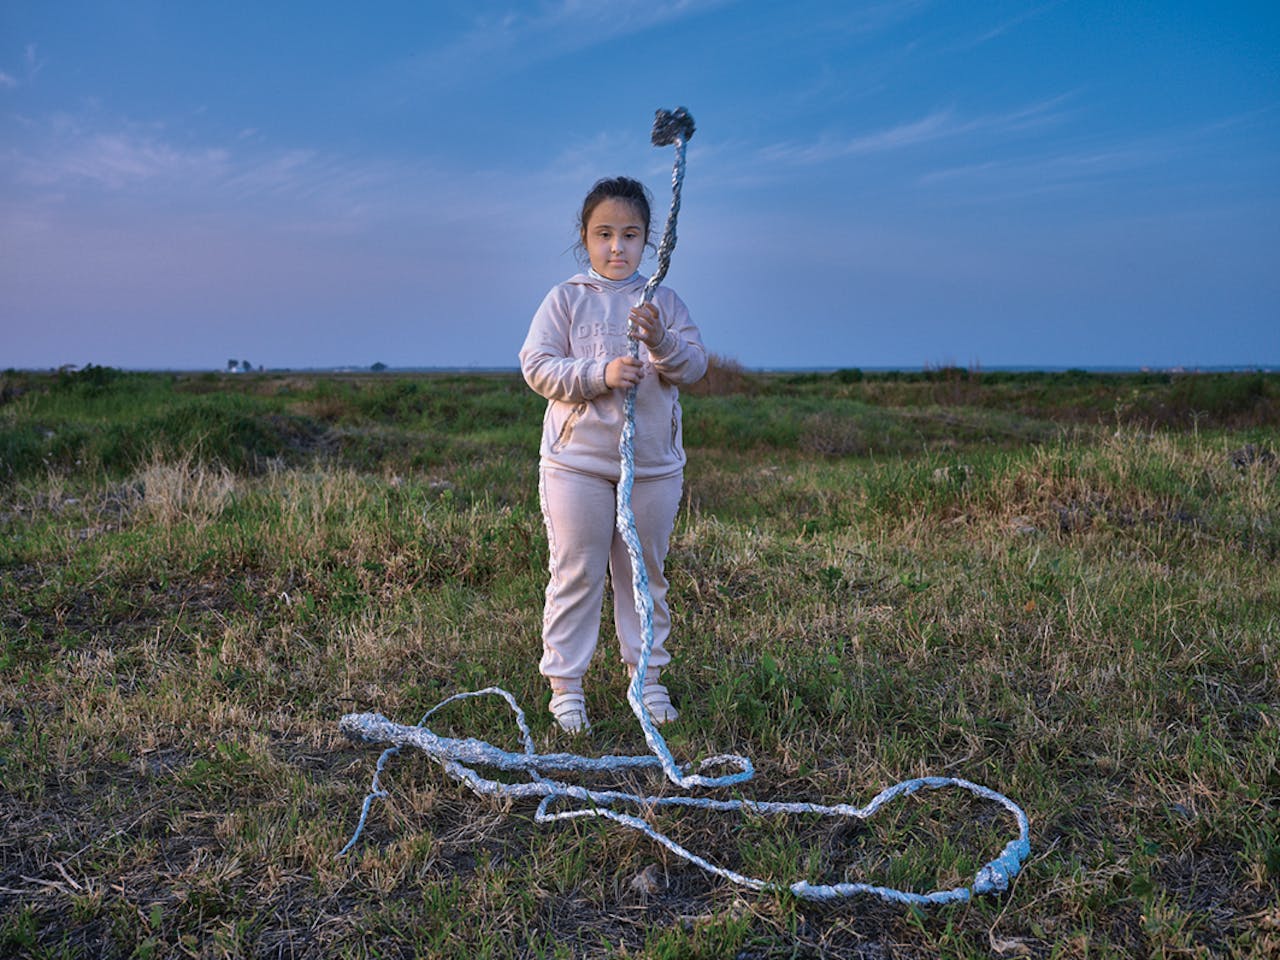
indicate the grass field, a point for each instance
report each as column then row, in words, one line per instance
column 1064, row 587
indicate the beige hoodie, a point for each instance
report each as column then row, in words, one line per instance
column 580, row 327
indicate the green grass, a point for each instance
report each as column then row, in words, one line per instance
column 1061, row 586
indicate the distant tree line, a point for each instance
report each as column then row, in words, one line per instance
column 244, row 366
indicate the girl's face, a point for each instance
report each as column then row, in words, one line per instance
column 614, row 238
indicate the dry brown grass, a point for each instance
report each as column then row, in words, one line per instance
column 725, row 376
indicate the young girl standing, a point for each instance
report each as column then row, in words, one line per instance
column 576, row 356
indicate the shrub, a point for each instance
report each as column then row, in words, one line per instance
column 1218, row 395
column 724, row 376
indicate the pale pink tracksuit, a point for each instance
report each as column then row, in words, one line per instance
column 580, row 327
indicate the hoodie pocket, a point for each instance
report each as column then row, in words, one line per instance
column 565, row 433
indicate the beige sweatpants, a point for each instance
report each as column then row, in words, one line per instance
column 584, row 542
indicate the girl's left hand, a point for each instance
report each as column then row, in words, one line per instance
column 646, row 325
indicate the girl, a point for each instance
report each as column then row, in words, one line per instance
column 576, row 356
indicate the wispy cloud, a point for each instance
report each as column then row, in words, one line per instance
column 1084, row 164
column 119, row 160
column 1000, row 29
column 508, row 40
column 87, row 157
column 936, row 126
column 86, row 161
column 1051, row 170
column 31, row 66
column 1038, row 175
column 873, row 18
column 583, row 22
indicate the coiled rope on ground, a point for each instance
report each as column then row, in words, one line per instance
column 461, row 758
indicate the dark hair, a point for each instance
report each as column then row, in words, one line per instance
column 615, row 188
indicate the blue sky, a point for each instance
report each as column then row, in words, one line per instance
column 899, row 182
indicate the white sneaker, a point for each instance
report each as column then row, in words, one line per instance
column 658, row 700
column 570, row 711
column 655, row 697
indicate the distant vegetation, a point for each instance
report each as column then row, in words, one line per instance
column 1062, row 586
column 106, row 419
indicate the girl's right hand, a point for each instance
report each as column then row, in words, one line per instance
column 623, row 372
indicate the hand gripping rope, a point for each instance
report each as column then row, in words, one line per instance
column 461, row 757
